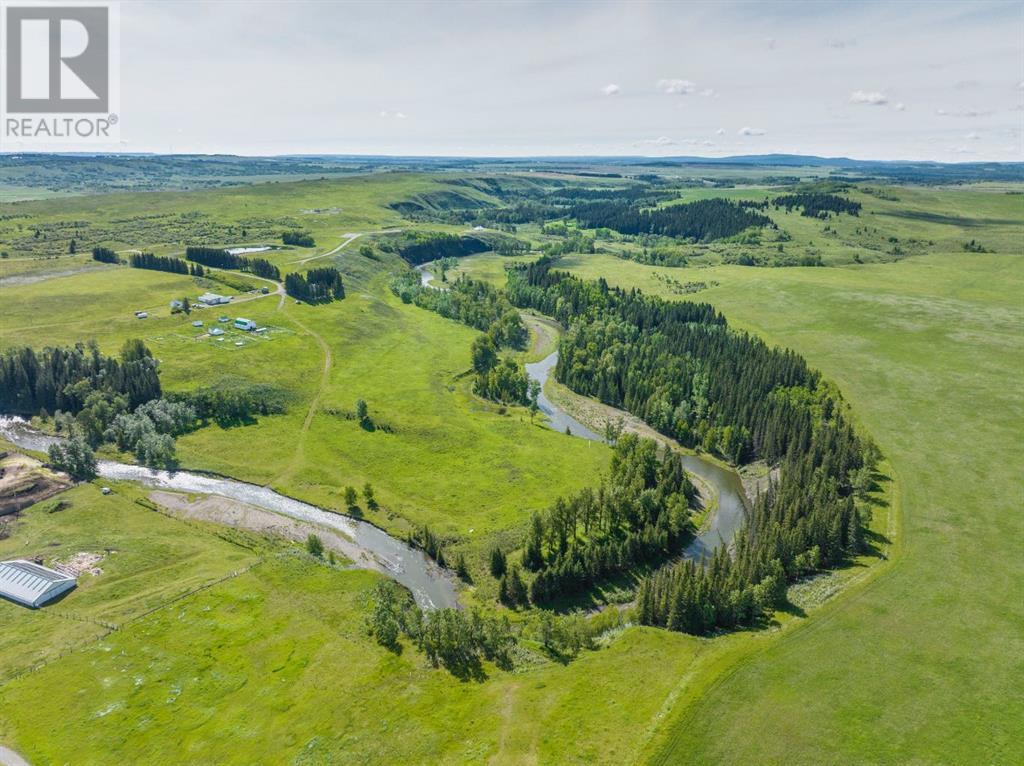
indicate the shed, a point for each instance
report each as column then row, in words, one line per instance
column 32, row 584
column 198, row 323
column 216, row 331
column 212, row 299
column 244, row 324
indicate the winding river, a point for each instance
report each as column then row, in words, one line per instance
column 726, row 484
column 372, row 547
column 732, row 503
column 430, row 585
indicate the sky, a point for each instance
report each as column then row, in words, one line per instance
column 887, row 80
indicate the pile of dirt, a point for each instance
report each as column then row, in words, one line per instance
column 24, row 481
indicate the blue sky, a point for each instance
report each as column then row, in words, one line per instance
column 893, row 80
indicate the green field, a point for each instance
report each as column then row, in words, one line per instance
column 271, row 663
column 915, row 659
column 929, row 353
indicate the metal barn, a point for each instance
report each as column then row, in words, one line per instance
column 32, row 584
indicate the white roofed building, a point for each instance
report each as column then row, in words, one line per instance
column 212, row 299
column 32, row 584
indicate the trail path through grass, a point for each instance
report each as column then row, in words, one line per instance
column 350, row 238
column 300, row 445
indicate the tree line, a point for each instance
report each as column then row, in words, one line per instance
column 817, row 204
column 61, row 378
column 321, row 285
column 422, row 248
column 638, row 516
column 703, row 220
column 222, row 259
column 680, row 368
column 152, row 262
column 105, row 255
column 469, row 301
column 479, row 305
column 298, row 238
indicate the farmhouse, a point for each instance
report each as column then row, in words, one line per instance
column 32, row 584
column 212, row 299
column 244, row 324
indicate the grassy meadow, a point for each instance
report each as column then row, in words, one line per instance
column 204, row 645
column 267, row 661
column 928, row 352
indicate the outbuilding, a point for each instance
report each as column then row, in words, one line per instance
column 212, row 299
column 31, row 584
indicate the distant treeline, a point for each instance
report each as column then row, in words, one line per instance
column 222, row 259
column 163, row 263
column 425, row 248
column 645, row 195
column 62, row 378
column 105, row 255
column 316, row 285
column 817, row 204
column 703, row 220
column 680, row 368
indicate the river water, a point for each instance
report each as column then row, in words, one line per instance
column 732, row 503
column 430, row 585
column 726, row 484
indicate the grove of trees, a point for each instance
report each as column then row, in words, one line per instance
column 686, row 373
column 321, row 285
column 158, row 263
column 222, row 259
column 105, row 255
column 817, row 204
column 703, row 220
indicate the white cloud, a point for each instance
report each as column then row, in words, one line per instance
column 972, row 136
column 840, row 44
column 900, row 107
column 748, row 131
column 720, row 132
column 870, row 98
column 611, row 89
column 708, row 92
column 676, row 87
column 1020, row 85
column 770, row 42
column 389, row 114
column 966, row 84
